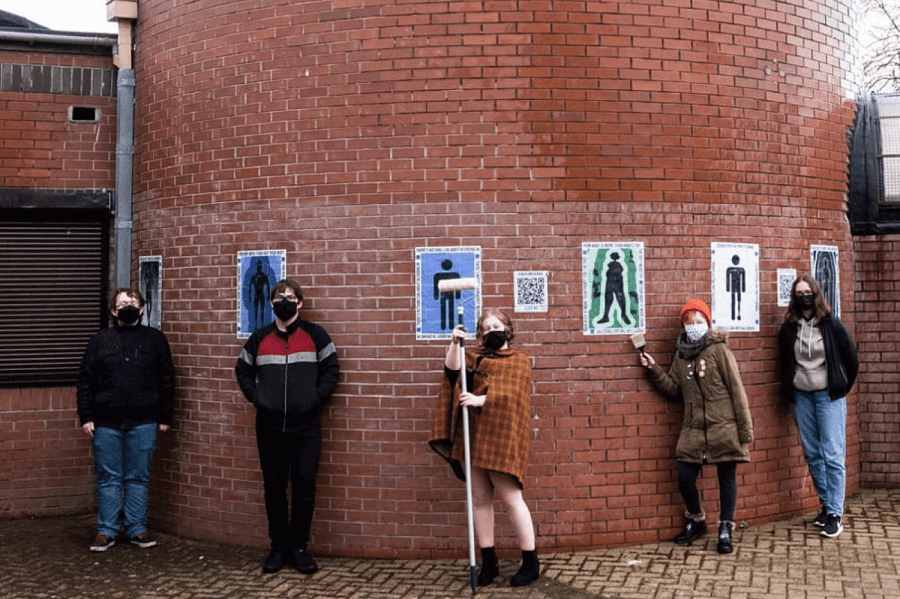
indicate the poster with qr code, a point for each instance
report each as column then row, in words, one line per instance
column 824, row 269
column 786, row 277
column 613, row 288
column 530, row 290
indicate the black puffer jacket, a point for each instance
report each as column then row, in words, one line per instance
column 126, row 378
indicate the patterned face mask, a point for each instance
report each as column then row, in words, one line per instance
column 695, row 332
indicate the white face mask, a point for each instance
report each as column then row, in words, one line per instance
column 695, row 332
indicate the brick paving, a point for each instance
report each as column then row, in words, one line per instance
column 48, row 559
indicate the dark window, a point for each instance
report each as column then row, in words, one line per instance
column 53, row 266
column 82, row 114
column 875, row 166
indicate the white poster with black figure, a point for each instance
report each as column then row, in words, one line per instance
column 735, row 286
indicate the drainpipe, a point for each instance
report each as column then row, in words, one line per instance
column 125, row 12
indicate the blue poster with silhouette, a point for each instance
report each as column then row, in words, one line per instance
column 258, row 271
column 437, row 313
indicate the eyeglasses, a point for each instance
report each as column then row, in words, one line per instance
column 290, row 298
column 133, row 305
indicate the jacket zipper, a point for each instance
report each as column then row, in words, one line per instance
column 286, row 356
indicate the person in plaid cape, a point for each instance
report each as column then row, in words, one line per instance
column 499, row 402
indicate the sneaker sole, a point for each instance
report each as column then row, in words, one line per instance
column 834, row 534
column 143, row 545
column 100, row 549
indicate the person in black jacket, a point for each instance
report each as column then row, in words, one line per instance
column 819, row 366
column 288, row 370
column 126, row 391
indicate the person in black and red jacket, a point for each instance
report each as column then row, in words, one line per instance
column 288, row 370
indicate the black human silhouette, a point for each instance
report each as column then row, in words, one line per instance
column 736, row 283
column 259, row 293
column 448, row 298
column 827, row 278
column 615, row 289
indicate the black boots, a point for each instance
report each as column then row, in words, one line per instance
column 694, row 529
column 724, row 545
column 490, row 567
column 529, row 572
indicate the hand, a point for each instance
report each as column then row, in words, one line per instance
column 471, row 401
column 647, row 360
column 163, row 428
column 459, row 333
column 88, row 428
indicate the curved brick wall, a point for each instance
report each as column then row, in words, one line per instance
column 351, row 133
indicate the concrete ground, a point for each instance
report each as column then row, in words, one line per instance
column 48, row 559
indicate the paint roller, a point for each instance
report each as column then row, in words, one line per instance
column 450, row 286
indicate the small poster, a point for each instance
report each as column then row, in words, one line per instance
column 824, row 269
column 437, row 313
column 735, row 286
column 530, row 290
column 258, row 272
column 150, row 277
column 786, row 278
column 613, row 288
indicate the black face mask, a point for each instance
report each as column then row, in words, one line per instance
column 805, row 302
column 494, row 340
column 128, row 315
column 284, row 309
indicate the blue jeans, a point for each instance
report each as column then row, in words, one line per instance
column 822, row 423
column 122, row 462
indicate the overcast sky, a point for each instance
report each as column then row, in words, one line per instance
column 63, row 15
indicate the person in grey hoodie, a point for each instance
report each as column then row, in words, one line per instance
column 818, row 367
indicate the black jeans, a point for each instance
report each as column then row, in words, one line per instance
column 294, row 456
column 687, row 484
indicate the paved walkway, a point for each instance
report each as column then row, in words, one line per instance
column 48, row 559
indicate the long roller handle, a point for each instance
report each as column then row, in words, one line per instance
column 470, row 514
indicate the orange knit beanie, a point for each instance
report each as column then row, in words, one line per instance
column 699, row 306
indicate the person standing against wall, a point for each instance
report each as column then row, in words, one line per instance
column 818, row 367
column 717, row 426
column 126, row 392
column 288, row 371
column 499, row 398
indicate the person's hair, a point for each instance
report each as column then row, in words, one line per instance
column 822, row 309
column 502, row 317
column 283, row 284
column 132, row 293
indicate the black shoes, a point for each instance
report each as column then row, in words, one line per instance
column 490, row 567
column 275, row 561
column 724, row 545
column 143, row 540
column 303, row 561
column 103, row 542
column 299, row 558
column 693, row 530
column 833, row 526
column 529, row 572
column 822, row 518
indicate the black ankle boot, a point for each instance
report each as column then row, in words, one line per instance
column 694, row 529
column 529, row 572
column 490, row 567
column 724, row 545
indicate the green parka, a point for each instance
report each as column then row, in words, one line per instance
column 717, row 425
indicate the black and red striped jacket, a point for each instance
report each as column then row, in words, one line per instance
column 289, row 375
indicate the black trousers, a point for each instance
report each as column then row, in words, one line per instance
column 290, row 456
column 687, row 484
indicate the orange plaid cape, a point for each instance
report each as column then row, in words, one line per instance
column 499, row 430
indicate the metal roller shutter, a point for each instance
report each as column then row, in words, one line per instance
column 52, row 288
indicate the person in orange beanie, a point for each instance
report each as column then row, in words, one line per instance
column 717, row 427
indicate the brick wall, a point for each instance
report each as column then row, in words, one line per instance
column 47, row 464
column 350, row 134
column 877, row 333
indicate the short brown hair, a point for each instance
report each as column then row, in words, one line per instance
column 283, row 284
column 132, row 293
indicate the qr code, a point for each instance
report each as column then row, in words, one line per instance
column 531, row 291
column 785, row 284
